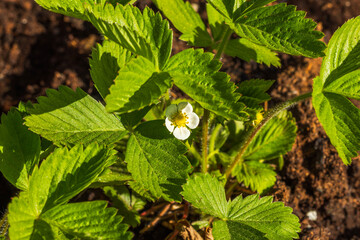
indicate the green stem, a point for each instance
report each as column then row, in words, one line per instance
column 3, row 222
column 205, row 126
column 205, row 129
column 193, row 151
column 223, row 43
column 269, row 115
column 212, row 141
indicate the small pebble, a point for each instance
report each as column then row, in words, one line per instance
column 312, row 215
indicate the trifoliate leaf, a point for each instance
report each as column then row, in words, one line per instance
column 256, row 175
column 186, row 20
column 196, row 73
column 247, row 50
column 128, row 203
column 68, row 117
column 242, row 218
column 137, row 86
column 60, row 177
column 19, row 149
column 281, row 28
column 274, row 139
column 156, row 161
column 253, row 92
column 145, row 34
column 340, row 78
column 105, row 62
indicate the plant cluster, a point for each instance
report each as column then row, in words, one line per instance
column 140, row 145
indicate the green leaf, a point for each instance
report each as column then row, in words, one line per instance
column 132, row 118
column 112, row 176
column 68, row 117
column 250, row 5
column 247, row 50
column 105, row 62
column 253, row 92
column 281, row 28
column 156, row 161
column 206, row 192
column 137, row 86
column 186, row 20
column 19, row 149
column 127, row 203
column 242, row 218
column 71, row 8
column 82, row 220
column 274, row 139
column 145, row 34
column 256, row 175
column 196, row 73
column 339, row 79
column 216, row 22
column 226, row 7
column 64, row 174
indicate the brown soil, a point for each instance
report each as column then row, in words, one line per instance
column 40, row 50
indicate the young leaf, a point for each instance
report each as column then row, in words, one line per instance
column 196, row 73
column 250, row 5
column 127, row 203
column 145, row 34
column 68, row 117
column 137, row 86
column 340, row 78
column 242, row 218
column 247, row 50
column 281, row 28
column 274, row 139
column 253, row 92
column 156, row 161
column 105, row 62
column 186, row 20
column 19, row 149
column 256, row 175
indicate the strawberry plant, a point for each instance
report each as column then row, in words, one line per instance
column 140, row 145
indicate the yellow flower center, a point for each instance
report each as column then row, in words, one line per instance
column 180, row 119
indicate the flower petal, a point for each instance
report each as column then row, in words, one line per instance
column 185, row 107
column 181, row 133
column 193, row 120
column 171, row 110
column 169, row 125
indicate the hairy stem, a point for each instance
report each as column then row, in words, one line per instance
column 205, row 129
column 4, row 224
column 223, row 43
column 205, row 126
column 269, row 115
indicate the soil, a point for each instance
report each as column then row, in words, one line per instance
column 40, row 50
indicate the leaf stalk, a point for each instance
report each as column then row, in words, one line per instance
column 269, row 115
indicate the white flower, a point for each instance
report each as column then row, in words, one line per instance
column 179, row 118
